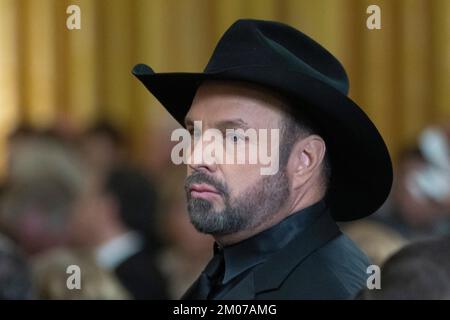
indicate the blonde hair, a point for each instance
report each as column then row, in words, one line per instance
column 96, row 283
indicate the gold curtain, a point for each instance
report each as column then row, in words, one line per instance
column 49, row 74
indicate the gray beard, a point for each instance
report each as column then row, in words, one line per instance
column 251, row 209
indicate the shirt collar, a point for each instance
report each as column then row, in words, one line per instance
column 255, row 250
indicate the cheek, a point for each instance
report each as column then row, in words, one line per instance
column 240, row 177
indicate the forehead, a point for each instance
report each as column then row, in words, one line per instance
column 217, row 101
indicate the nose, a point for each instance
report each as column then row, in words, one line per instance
column 200, row 158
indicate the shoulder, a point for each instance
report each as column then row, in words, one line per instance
column 337, row 270
column 342, row 261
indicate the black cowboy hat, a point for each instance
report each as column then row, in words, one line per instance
column 287, row 61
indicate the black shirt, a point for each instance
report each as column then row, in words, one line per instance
column 239, row 259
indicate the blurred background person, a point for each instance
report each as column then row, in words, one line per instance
column 419, row 271
column 419, row 205
column 115, row 219
column 102, row 147
column 44, row 181
column 15, row 273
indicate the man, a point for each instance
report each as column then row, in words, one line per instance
column 276, row 236
column 115, row 219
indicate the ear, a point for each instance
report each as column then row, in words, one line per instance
column 306, row 159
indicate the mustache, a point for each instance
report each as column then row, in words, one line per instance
column 199, row 177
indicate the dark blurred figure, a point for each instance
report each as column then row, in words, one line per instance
column 420, row 271
column 44, row 179
column 102, row 147
column 15, row 275
column 418, row 206
column 115, row 218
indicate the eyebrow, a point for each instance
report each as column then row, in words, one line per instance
column 223, row 124
column 231, row 124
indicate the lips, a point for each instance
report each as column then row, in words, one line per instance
column 204, row 191
column 203, row 188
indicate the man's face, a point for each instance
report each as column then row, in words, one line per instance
column 228, row 198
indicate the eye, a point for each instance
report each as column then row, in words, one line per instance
column 234, row 137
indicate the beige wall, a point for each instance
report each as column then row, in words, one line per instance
column 399, row 74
